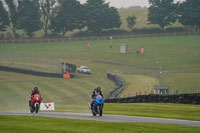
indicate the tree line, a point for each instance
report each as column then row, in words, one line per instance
column 166, row 12
column 61, row 16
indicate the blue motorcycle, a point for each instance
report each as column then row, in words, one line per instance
column 97, row 107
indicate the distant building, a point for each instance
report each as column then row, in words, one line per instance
column 161, row 89
column 124, row 49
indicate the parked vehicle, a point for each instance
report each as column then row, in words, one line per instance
column 97, row 107
column 35, row 103
column 84, row 69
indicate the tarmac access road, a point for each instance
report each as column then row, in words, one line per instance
column 110, row 118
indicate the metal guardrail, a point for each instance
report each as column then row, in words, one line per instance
column 49, row 40
column 121, row 85
column 30, row 72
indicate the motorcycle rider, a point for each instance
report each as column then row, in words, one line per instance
column 32, row 93
column 97, row 91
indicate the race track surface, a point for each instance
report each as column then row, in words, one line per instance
column 110, row 118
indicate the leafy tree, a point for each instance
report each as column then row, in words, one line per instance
column 13, row 15
column 112, row 19
column 162, row 12
column 100, row 16
column 29, row 16
column 131, row 20
column 189, row 13
column 47, row 7
column 69, row 16
column 4, row 20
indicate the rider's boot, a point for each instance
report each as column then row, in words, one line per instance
column 29, row 103
column 91, row 105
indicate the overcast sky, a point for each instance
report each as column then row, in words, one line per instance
column 127, row 3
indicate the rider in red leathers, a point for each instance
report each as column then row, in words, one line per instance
column 32, row 93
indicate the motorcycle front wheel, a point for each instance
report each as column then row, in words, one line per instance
column 36, row 108
column 31, row 109
column 100, row 110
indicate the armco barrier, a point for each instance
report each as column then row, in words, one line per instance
column 155, row 98
column 119, row 83
column 30, row 72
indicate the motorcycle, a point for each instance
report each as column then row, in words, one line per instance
column 35, row 103
column 97, row 107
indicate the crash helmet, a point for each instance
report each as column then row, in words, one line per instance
column 35, row 89
column 98, row 89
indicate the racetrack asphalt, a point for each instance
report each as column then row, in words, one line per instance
column 110, row 118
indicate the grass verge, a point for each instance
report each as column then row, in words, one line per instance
column 159, row 110
column 33, row 124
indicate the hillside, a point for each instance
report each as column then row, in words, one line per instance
column 141, row 21
column 177, row 58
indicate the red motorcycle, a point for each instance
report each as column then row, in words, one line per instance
column 35, row 103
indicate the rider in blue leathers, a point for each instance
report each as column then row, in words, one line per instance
column 97, row 91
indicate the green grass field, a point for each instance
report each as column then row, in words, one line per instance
column 171, row 53
column 33, row 124
column 159, row 110
column 177, row 57
column 177, row 54
column 15, row 90
column 138, row 84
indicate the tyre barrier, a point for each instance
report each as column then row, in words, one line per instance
column 155, row 98
column 119, row 82
column 30, row 72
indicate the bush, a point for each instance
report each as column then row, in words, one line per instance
column 9, row 35
column 174, row 29
column 112, row 32
column 2, row 36
column 146, row 31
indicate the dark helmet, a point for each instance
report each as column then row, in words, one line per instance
column 35, row 89
column 98, row 89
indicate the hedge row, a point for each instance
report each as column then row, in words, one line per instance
column 115, row 32
column 155, row 98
